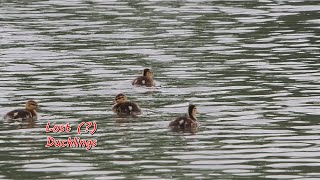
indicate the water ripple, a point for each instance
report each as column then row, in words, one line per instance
column 250, row 67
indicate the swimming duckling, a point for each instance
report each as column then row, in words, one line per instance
column 123, row 107
column 25, row 114
column 185, row 122
column 145, row 80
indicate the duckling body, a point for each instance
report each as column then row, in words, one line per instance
column 145, row 80
column 186, row 122
column 183, row 123
column 126, row 108
column 123, row 107
column 28, row 113
column 20, row 113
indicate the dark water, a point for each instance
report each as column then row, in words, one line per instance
column 252, row 67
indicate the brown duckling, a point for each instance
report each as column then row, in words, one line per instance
column 145, row 80
column 123, row 107
column 186, row 122
column 25, row 114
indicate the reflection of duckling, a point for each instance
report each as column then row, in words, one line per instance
column 28, row 113
column 145, row 80
column 124, row 107
column 185, row 122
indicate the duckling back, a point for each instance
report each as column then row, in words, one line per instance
column 20, row 114
column 127, row 108
column 143, row 81
column 183, row 123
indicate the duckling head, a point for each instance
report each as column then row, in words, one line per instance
column 120, row 98
column 148, row 73
column 31, row 105
column 192, row 111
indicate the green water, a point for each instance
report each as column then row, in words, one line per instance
column 251, row 67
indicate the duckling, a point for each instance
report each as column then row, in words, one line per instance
column 123, row 107
column 145, row 80
column 185, row 122
column 25, row 114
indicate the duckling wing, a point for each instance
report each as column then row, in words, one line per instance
column 18, row 113
column 134, row 108
column 121, row 109
column 183, row 123
column 178, row 122
column 139, row 81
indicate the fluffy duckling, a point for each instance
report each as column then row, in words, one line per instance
column 25, row 114
column 145, row 80
column 186, row 122
column 123, row 107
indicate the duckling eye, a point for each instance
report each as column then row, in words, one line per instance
column 119, row 98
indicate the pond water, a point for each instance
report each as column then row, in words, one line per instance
column 251, row 67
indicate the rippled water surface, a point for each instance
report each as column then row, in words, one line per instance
column 252, row 67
